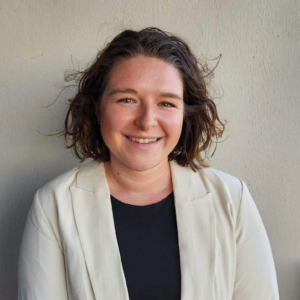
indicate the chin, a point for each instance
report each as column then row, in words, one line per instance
column 142, row 166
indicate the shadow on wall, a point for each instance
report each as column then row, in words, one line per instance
column 16, row 196
column 33, row 159
column 297, row 267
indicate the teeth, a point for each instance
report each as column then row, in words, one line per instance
column 142, row 141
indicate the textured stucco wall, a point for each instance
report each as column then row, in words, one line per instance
column 258, row 77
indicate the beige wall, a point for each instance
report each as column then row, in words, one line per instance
column 258, row 76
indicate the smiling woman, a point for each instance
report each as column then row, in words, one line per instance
column 147, row 218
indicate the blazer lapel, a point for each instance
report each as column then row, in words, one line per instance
column 94, row 220
column 196, row 233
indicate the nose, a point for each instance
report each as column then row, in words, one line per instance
column 146, row 117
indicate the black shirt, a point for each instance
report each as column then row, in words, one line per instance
column 148, row 243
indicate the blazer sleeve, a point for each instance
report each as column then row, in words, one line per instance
column 255, row 269
column 41, row 271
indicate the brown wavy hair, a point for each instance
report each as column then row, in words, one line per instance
column 201, row 121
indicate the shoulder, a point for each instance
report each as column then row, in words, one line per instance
column 230, row 193
column 221, row 179
column 228, row 189
column 51, row 197
column 223, row 186
column 60, row 183
column 51, row 202
column 87, row 176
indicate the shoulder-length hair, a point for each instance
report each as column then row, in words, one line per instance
column 201, row 121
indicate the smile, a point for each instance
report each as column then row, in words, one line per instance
column 142, row 141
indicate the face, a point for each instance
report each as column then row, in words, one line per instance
column 141, row 112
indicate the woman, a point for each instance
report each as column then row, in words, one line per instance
column 147, row 218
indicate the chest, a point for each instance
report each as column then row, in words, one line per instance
column 94, row 268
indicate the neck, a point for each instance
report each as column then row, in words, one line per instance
column 138, row 187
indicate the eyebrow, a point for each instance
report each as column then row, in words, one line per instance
column 132, row 91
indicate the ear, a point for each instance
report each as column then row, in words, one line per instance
column 97, row 111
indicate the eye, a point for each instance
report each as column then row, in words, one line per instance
column 126, row 100
column 167, row 104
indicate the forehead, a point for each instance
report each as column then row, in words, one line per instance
column 143, row 72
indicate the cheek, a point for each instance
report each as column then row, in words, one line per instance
column 106, row 117
column 173, row 124
column 113, row 120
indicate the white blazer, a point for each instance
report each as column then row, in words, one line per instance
column 70, row 250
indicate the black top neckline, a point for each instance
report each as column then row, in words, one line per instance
column 161, row 202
